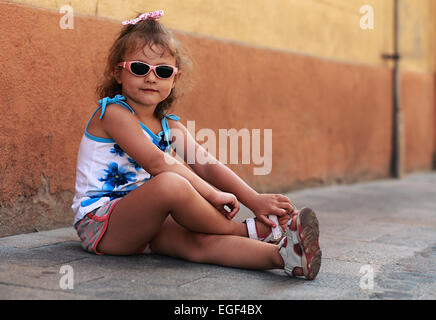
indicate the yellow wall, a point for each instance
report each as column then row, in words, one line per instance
column 418, row 34
column 323, row 28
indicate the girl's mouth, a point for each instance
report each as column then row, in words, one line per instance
column 150, row 90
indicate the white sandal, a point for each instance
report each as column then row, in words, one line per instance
column 290, row 250
column 300, row 247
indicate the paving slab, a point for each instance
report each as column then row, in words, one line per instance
column 388, row 226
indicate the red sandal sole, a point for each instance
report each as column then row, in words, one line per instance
column 308, row 236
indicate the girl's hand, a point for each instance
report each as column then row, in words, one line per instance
column 221, row 199
column 275, row 204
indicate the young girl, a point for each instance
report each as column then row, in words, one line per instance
column 133, row 197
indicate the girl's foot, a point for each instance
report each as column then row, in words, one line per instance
column 300, row 247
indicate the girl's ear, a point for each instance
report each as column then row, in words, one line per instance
column 176, row 77
column 117, row 75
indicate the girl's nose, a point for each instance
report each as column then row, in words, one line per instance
column 150, row 77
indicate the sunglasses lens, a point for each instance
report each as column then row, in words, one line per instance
column 139, row 69
column 164, row 71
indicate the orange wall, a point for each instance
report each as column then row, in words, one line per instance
column 417, row 101
column 47, row 85
column 434, row 124
column 331, row 121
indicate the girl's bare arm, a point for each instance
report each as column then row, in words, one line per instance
column 123, row 127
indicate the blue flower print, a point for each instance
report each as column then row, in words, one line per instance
column 116, row 176
column 163, row 143
column 111, row 194
column 89, row 201
column 117, row 150
column 135, row 164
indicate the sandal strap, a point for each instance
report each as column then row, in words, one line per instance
column 294, row 236
column 291, row 233
column 269, row 237
column 277, row 231
column 290, row 257
column 251, row 228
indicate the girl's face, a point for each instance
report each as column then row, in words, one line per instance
column 148, row 90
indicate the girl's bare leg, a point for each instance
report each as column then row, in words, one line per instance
column 226, row 250
column 138, row 217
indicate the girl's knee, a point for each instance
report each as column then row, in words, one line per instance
column 170, row 179
column 172, row 185
column 199, row 246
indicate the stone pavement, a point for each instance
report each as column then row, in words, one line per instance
column 385, row 229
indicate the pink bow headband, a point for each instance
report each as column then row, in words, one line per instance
column 145, row 16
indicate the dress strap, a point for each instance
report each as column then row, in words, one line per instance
column 118, row 99
column 172, row 116
column 166, row 128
